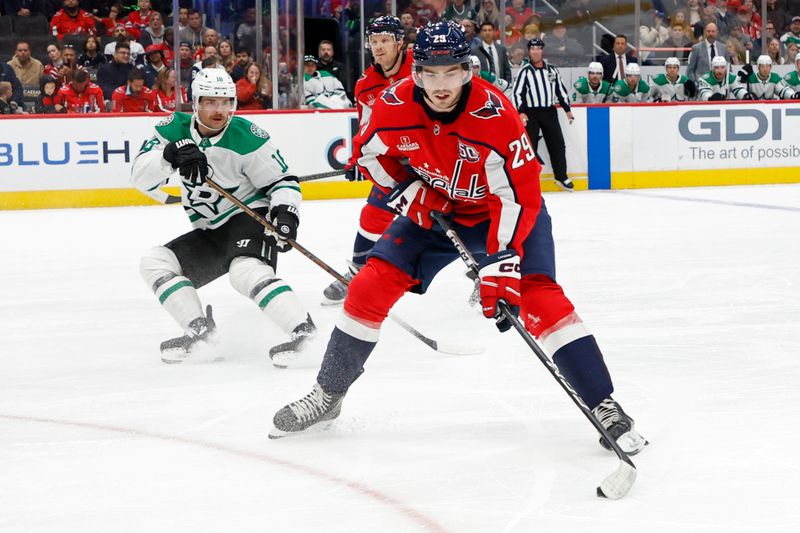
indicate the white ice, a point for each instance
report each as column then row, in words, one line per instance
column 692, row 294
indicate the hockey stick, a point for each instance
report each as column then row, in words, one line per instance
column 432, row 343
column 321, row 175
column 616, row 485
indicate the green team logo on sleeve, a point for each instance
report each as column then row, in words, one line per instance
column 258, row 131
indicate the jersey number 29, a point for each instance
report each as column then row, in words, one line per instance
column 520, row 146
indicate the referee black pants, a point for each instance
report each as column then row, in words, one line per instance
column 545, row 119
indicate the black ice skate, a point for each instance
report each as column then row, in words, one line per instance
column 620, row 426
column 283, row 353
column 317, row 406
column 199, row 330
column 566, row 184
column 336, row 292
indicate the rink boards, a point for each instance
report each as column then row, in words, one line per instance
column 85, row 161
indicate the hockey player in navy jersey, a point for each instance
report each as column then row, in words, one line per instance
column 473, row 161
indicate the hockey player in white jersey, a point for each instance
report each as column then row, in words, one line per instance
column 239, row 156
column 671, row 86
column 763, row 84
column 633, row 88
column 720, row 84
column 592, row 89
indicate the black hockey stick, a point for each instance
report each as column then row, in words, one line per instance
column 321, row 175
column 614, row 486
column 432, row 343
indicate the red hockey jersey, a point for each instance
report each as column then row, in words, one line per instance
column 89, row 101
column 125, row 102
column 80, row 24
column 370, row 85
column 478, row 155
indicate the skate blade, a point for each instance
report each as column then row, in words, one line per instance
column 173, row 357
column 632, row 442
column 319, row 427
column 564, row 187
column 330, row 303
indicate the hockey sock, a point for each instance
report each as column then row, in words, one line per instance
column 161, row 271
column 581, row 362
column 346, row 354
column 374, row 291
column 371, row 225
column 256, row 280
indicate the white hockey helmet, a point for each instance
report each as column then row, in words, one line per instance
column 474, row 62
column 595, row 68
column 214, row 82
column 719, row 61
column 674, row 61
column 632, row 69
column 764, row 60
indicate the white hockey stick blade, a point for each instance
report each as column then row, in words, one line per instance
column 619, row 483
column 454, row 349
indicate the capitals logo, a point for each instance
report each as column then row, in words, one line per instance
column 491, row 108
column 390, row 97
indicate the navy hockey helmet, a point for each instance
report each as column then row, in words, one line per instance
column 441, row 43
column 385, row 25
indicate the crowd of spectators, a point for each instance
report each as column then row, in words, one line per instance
column 126, row 49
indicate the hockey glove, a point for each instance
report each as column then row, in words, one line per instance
column 796, row 96
column 417, row 201
column 690, row 88
column 285, row 219
column 745, row 72
column 716, row 96
column 748, row 96
column 351, row 173
column 188, row 159
column 499, row 275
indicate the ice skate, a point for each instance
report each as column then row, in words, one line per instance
column 283, row 353
column 316, row 407
column 200, row 330
column 336, row 292
column 565, row 184
column 620, row 426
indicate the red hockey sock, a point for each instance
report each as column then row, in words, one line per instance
column 374, row 290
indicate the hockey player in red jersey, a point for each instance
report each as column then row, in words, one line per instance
column 471, row 160
column 391, row 64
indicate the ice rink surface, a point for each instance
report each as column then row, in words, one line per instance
column 693, row 294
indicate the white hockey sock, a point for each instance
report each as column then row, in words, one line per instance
column 161, row 271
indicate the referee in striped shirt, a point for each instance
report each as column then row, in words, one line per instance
column 536, row 89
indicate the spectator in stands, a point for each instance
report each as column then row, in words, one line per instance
column 520, row 13
column 115, row 73
column 771, row 34
column 28, row 69
column 253, row 90
column 322, row 91
column 67, row 64
column 81, row 95
column 7, row 75
column 327, row 63
column 242, row 60
column 121, row 35
column 226, row 57
column 72, row 20
column 561, row 49
column 493, row 56
column 777, row 15
column 155, row 64
column 791, row 54
column 516, row 60
column 471, row 32
column 55, row 61
column 736, row 54
column 726, row 18
column 246, row 31
column 530, row 31
column 703, row 52
column 24, row 8
column 407, row 20
column 488, row 12
column 746, row 23
column 694, row 12
column 210, row 38
column 774, row 51
column 458, row 10
column 409, row 39
column 681, row 18
column 209, row 52
column 46, row 101
column 793, row 35
column 155, row 32
column 91, row 58
column 183, row 17
column 115, row 16
column 577, row 10
column 165, row 93
column 133, row 97
column 423, row 12
column 7, row 105
column 512, row 35
column 186, row 63
column 141, row 18
column 653, row 33
column 194, row 30
column 677, row 39
column 614, row 63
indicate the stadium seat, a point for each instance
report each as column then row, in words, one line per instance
column 30, row 26
column 6, row 27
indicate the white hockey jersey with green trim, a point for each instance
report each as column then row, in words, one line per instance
column 773, row 88
column 730, row 87
column 621, row 92
column 241, row 159
column 662, row 88
column 792, row 79
column 584, row 94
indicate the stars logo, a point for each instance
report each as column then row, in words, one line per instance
column 206, row 200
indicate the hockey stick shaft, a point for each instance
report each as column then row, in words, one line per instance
column 467, row 257
column 321, row 175
column 432, row 343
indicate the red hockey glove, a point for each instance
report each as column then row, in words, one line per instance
column 500, row 277
column 416, row 200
